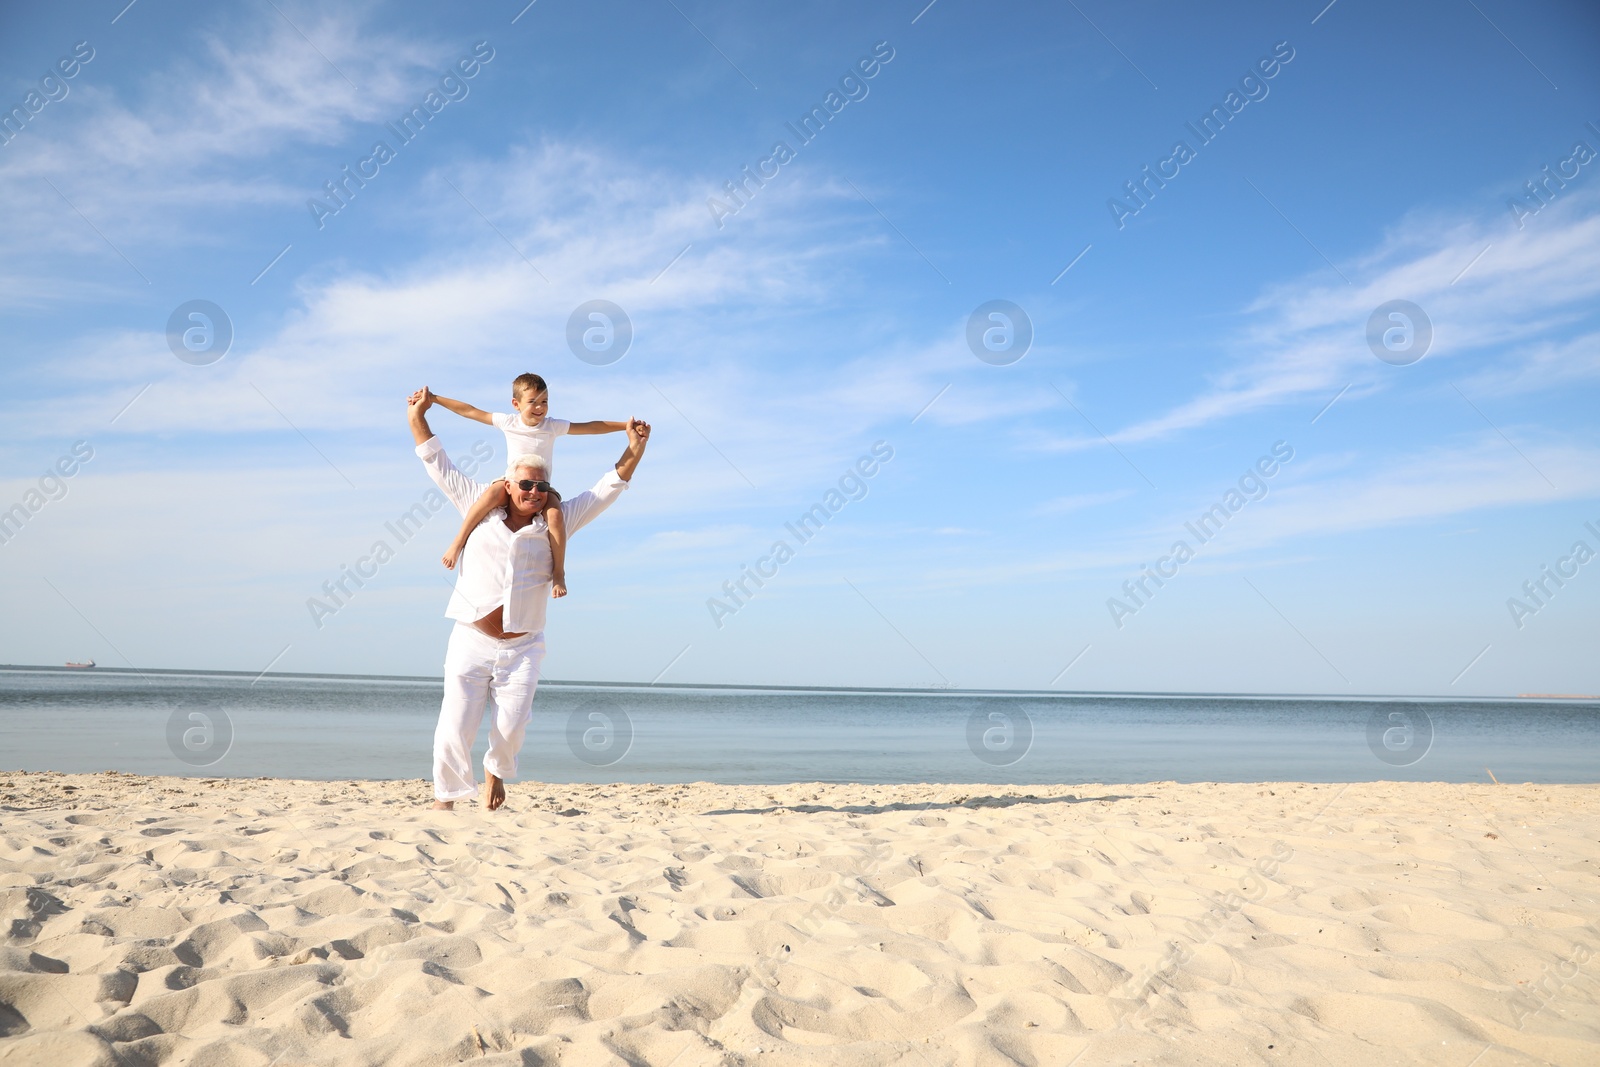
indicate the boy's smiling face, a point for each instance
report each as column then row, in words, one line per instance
column 532, row 405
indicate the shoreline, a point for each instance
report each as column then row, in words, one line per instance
column 232, row 921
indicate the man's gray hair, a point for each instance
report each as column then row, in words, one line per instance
column 531, row 462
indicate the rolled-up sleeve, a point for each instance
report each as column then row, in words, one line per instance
column 458, row 488
column 583, row 508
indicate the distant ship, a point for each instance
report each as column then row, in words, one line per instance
column 83, row 665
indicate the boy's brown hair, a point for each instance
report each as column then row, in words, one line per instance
column 523, row 384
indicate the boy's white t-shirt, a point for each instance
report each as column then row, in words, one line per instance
column 525, row 440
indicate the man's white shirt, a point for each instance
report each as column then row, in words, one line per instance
column 502, row 566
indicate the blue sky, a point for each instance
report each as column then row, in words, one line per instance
column 776, row 345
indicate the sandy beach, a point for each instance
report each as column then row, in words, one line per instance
column 269, row 922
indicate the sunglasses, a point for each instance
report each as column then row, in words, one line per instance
column 528, row 486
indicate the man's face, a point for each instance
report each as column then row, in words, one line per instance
column 532, row 405
column 527, row 501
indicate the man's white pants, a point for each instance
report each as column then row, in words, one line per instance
column 480, row 670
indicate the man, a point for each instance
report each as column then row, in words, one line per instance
column 502, row 590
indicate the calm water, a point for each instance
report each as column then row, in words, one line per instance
column 329, row 727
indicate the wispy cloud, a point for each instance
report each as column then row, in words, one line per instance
column 1061, row 505
column 464, row 313
column 1323, row 499
column 194, row 138
column 1307, row 338
column 1546, row 364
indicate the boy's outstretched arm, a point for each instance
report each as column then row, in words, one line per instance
column 493, row 497
column 597, row 426
column 462, row 408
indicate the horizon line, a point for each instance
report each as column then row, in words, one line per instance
column 930, row 690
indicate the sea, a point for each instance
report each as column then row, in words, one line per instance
column 224, row 725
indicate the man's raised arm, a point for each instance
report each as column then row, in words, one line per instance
column 580, row 510
column 417, row 406
column 638, row 437
column 458, row 488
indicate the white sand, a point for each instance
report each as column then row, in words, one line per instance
column 225, row 922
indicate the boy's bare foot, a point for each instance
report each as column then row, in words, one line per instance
column 495, row 795
column 444, row 805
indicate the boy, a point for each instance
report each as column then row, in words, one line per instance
column 528, row 432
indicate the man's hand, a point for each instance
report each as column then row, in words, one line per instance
column 422, row 399
column 638, row 432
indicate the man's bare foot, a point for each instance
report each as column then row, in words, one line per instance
column 444, row 805
column 558, row 585
column 495, row 795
